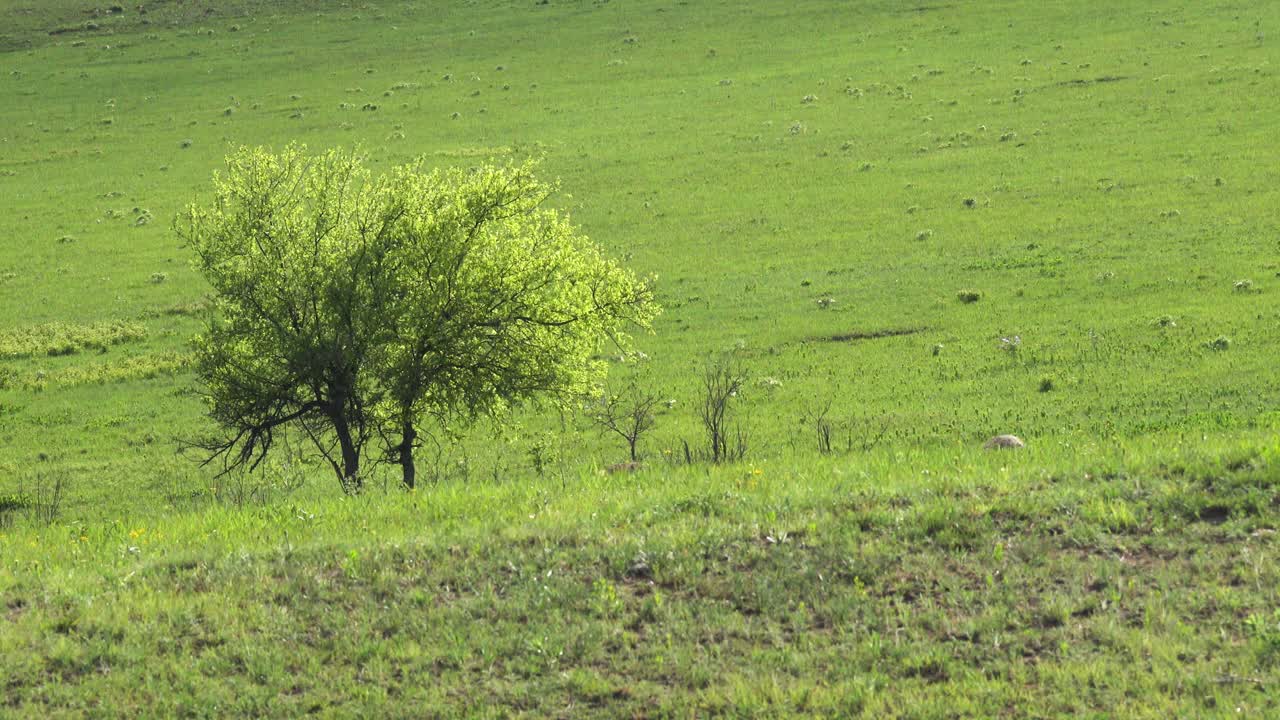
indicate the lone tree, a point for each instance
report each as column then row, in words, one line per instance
column 357, row 309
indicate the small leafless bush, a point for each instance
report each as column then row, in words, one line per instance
column 628, row 414
column 721, row 384
column 818, row 418
column 43, row 502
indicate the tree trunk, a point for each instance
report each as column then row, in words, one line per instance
column 350, row 455
column 408, row 437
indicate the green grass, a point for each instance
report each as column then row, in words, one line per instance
column 815, row 185
column 1140, row 584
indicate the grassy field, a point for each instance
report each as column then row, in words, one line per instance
column 946, row 221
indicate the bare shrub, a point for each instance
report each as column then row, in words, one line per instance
column 818, row 418
column 721, row 384
column 628, row 414
column 44, row 501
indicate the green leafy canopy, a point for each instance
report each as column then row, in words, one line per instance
column 352, row 306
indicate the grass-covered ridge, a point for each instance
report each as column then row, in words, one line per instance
column 996, row 588
column 914, row 227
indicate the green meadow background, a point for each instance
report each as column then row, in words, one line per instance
column 934, row 223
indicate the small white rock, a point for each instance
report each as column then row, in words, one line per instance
column 999, row 442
